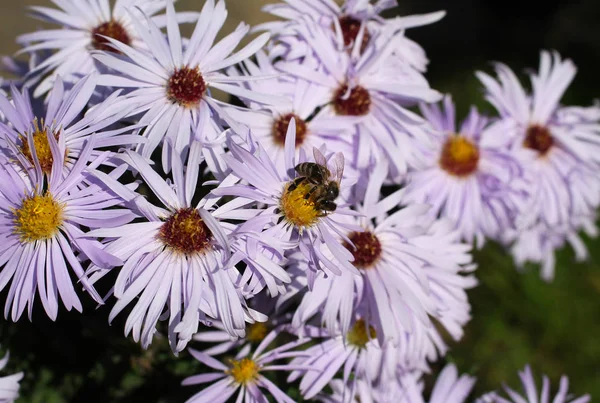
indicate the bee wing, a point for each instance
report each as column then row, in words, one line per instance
column 338, row 167
column 319, row 157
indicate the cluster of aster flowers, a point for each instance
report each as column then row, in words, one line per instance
column 321, row 209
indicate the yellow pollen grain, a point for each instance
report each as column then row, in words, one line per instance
column 358, row 336
column 243, row 371
column 297, row 210
column 38, row 218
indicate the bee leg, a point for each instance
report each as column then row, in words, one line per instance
column 309, row 193
column 296, row 183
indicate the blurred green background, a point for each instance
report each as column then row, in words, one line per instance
column 517, row 318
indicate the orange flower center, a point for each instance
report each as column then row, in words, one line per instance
column 460, row 157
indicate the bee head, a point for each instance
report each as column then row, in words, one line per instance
column 333, row 190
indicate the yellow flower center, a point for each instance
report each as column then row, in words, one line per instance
column 38, row 218
column 460, row 156
column 297, row 209
column 41, row 145
column 358, row 336
column 243, row 371
column 256, row 332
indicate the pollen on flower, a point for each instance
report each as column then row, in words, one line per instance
column 186, row 87
column 112, row 29
column 357, row 102
column 256, row 332
column 460, row 157
column 366, row 250
column 350, row 28
column 538, row 138
column 296, row 208
column 38, row 218
column 243, row 371
column 42, row 147
column 358, row 335
column 280, row 127
column 185, row 232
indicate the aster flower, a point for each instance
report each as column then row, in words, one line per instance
column 411, row 267
column 357, row 353
column 63, row 121
column 375, row 91
column 558, row 149
column 479, row 187
column 289, row 209
column 244, row 373
column 350, row 26
column 179, row 259
column 269, row 123
column 172, row 82
column 42, row 221
column 9, row 385
column 531, row 392
column 85, row 25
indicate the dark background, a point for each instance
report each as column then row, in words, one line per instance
column 517, row 318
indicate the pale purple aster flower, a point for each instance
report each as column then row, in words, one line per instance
column 410, row 266
column 349, row 26
column 531, row 392
column 449, row 388
column 269, row 123
column 375, row 91
column 558, row 142
column 63, row 119
column 179, row 260
column 479, row 187
column 42, row 215
column 245, row 373
column 558, row 147
column 9, row 385
column 84, row 26
column 358, row 354
column 287, row 210
column 172, row 82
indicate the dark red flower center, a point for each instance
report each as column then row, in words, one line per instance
column 538, row 138
column 186, row 232
column 350, row 28
column 111, row 29
column 355, row 103
column 460, row 157
column 366, row 250
column 280, row 128
column 186, row 87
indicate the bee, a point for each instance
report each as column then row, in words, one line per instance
column 325, row 184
